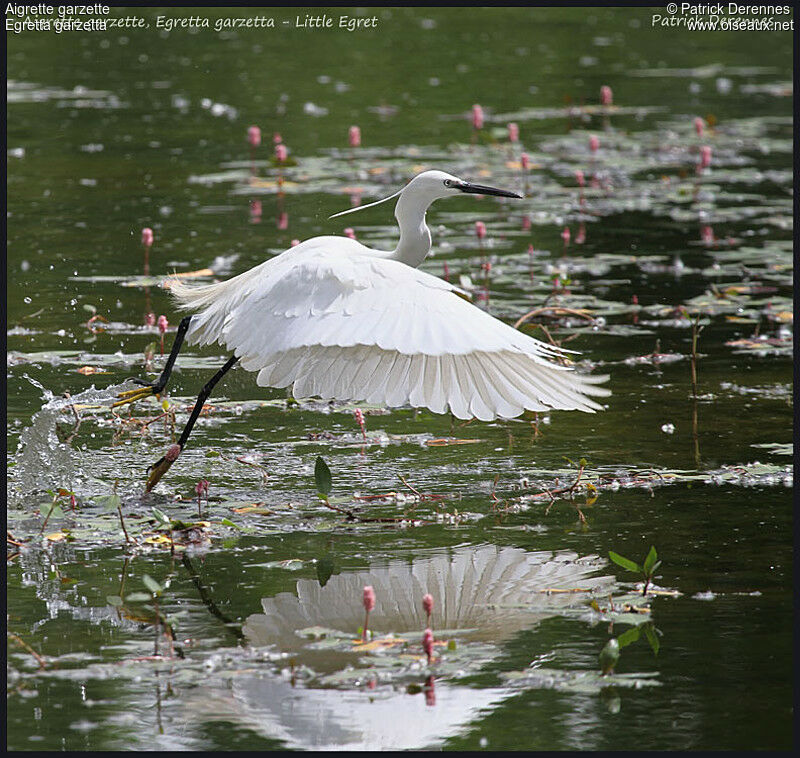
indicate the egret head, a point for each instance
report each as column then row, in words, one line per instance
column 434, row 185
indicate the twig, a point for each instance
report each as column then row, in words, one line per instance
column 556, row 310
column 20, row 641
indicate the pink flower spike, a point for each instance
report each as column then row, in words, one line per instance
column 350, row 233
column 606, row 95
column 277, row 139
column 477, row 117
column 162, row 324
column 705, row 156
column 594, row 143
column 427, row 606
column 150, row 319
column 427, row 644
column 707, row 235
column 354, row 136
column 254, row 136
column 580, row 237
column 525, row 160
column 147, row 236
column 281, row 153
column 480, row 229
column 369, row 598
column 282, row 222
column 201, row 488
column 294, row 243
column 580, row 178
column 699, row 126
column 565, row 235
column 369, row 604
column 359, row 416
column 513, row 132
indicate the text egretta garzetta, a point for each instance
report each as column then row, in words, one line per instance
column 333, row 318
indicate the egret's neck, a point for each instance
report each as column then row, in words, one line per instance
column 415, row 237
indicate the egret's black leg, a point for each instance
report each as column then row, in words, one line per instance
column 161, row 466
column 154, row 388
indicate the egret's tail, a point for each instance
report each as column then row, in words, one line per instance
column 211, row 303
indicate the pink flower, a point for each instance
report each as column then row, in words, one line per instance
column 354, row 136
column 147, row 236
column 565, row 235
column 281, row 153
column 282, row 222
column 707, row 235
column 359, row 416
column 201, row 488
column 369, row 598
column 580, row 237
column 606, row 95
column 580, row 178
column 477, row 117
column 705, row 156
column 427, row 605
column 294, row 243
column 350, row 233
column 162, row 324
column 513, row 132
column 594, row 143
column 427, row 643
column 255, row 211
column 525, row 159
column 254, row 136
column 150, row 319
column 277, row 139
column 480, row 229
column 699, row 126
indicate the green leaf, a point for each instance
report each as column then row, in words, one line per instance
column 655, row 567
column 627, row 564
column 51, row 510
column 322, row 476
column 228, row 522
column 631, row 635
column 161, row 516
column 652, row 557
column 138, row 597
column 114, row 600
column 325, row 567
column 652, row 638
column 152, row 585
column 109, row 502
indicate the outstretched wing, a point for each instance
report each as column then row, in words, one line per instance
column 332, row 320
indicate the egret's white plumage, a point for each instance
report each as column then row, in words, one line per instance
column 333, row 318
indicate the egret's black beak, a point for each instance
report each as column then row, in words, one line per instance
column 480, row 189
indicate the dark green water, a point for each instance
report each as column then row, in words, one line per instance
column 110, row 132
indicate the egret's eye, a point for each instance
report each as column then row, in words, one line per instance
column 448, row 183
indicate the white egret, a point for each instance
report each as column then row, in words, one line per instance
column 333, row 318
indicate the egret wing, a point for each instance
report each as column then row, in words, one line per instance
column 348, row 324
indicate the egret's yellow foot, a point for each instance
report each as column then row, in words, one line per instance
column 131, row 396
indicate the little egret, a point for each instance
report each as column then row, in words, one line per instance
column 333, row 318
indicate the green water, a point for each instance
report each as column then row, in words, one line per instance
column 155, row 135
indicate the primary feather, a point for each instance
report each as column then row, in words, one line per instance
column 333, row 318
